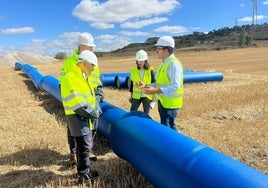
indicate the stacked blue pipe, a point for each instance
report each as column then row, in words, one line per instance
column 121, row 79
column 168, row 158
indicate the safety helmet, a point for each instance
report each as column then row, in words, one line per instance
column 88, row 56
column 86, row 39
column 166, row 41
column 141, row 55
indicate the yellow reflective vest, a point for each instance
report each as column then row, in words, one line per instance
column 76, row 92
column 135, row 77
column 176, row 100
column 94, row 77
column 68, row 64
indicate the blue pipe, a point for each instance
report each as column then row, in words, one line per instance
column 108, row 80
column 202, row 77
column 36, row 77
column 170, row 159
column 165, row 157
column 51, row 85
column 18, row 66
column 120, row 80
column 26, row 68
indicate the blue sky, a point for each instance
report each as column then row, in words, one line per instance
column 49, row 26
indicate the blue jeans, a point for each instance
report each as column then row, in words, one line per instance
column 167, row 116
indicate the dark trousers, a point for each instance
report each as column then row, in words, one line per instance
column 135, row 103
column 167, row 116
column 84, row 144
column 71, row 141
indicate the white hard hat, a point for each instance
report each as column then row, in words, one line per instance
column 166, row 41
column 141, row 55
column 86, row 39
column 88, row 56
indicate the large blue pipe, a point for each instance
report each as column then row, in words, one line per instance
column 18, row 66
column 202, row 77
column 51, row 85
column 167, row 158
column 120, row 80
column 170, row 159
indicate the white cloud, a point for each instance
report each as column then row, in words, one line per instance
column 142, row 23
column 118, row 11
column 171, row 29
column 102, row 25
column 132, row 34
column 107, row 38
column 22, row 30
column 265, row 2
column 245, row 19
column 112, row 42
column 249, row 18
column 242, row 5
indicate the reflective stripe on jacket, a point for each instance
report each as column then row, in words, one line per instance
column 135, row 77
column 176, row 100
column 94, row 77
column 76, row 92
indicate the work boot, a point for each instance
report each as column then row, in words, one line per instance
column 88, row 178
column 92, row 156
column 73, row 160
column 85, row 179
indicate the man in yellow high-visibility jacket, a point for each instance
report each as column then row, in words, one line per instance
column 85, row 42
column 80, row 108
column 168, row 86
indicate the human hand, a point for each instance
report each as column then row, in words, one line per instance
column 150, row 90
column 140, row 84
column 130, row 99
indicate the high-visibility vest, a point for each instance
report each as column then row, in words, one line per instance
column 94, row 77
column 68, row 64
column 135, row 77
column 176, row 100
column 76, row 92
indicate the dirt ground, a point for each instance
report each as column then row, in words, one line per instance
column 230, row 116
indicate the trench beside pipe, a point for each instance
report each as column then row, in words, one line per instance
column 165, row 157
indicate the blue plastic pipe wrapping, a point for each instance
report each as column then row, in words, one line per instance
column 165, row 157
column 170, row 159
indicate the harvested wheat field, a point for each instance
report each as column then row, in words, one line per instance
column 230, row 116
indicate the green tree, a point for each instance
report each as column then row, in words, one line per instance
column 242, row 38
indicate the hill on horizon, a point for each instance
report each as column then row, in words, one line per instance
column 238, row 36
